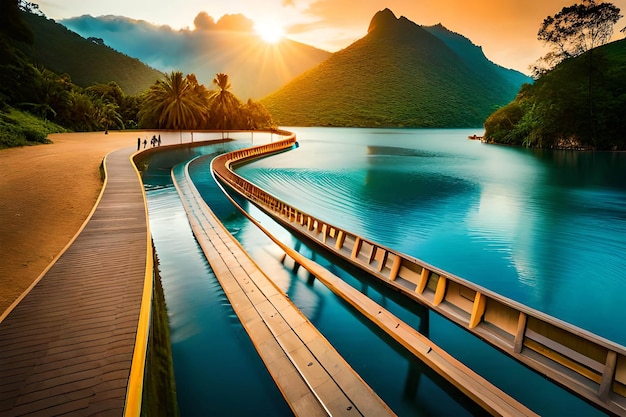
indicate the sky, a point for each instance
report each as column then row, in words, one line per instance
column 505, row 29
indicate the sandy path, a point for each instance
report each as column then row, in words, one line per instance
column 46, row 193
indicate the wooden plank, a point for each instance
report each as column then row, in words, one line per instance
column 504, row 319
column 485, row 394
column 65, row 346
column 290, row 346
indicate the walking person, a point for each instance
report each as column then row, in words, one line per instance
column 138, row 143
column 145, row 142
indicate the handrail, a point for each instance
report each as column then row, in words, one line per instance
column 590, row 366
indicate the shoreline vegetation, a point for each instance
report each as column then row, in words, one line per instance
column 576, row 106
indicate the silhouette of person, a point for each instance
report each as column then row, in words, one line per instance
column 138, row 143
column 145, row 142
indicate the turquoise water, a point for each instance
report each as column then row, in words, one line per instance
column 494, row 215
column 545, row 228
column 215, row 365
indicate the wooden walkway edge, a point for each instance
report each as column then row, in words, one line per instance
column 477, row 388
column 68, row 344
column 314, row 379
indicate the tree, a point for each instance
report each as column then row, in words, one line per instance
column 575, row 30
column 173, row 103
column 225, row 106
column 257, row 116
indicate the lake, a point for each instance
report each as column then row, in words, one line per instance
column 545, row 228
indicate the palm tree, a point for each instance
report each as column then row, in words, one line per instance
column 225, row 106
column 107, row 115
column 173, row 103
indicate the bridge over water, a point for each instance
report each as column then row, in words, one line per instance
column 592, row 367
column 75, row 342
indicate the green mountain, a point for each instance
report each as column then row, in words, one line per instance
column 87, row 61
column 577, row 105
column 400, row 74
column 473, row 56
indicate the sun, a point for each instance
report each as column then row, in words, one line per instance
column 270, row 32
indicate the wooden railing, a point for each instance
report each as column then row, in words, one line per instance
column 590, row 366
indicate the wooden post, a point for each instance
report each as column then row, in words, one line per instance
column 340, row 239
column 357, row 248
column 480, row 302
column 440, row 292
column 423, row 281
column 608, row 376
column 383, row 261
column 519, row 335
column 395, row 268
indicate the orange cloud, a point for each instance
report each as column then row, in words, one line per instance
column 506, row 29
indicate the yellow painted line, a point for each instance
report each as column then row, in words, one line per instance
column 134, row 388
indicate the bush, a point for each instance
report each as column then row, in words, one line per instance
column 18, row 128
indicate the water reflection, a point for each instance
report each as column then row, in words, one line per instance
column 479, row 181
column 541, row 227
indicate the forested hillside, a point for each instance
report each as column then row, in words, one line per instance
column 41, row 63
column 580, row 104
column 87, row 61
column 402, row 75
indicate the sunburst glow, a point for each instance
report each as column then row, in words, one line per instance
column 270, row 32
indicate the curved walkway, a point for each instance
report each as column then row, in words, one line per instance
column 66, row 346
column 312, row 376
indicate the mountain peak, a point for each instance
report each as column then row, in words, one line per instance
column 394, row 76
column 382, row 19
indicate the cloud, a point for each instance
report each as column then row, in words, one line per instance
column 235, row 22
column 137, row 38
column 229, row 22
column 288, row 3
column 203, row 21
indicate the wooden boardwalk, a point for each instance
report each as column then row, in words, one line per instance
column 314, row 379
column 590, row 366
column 66, row 347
